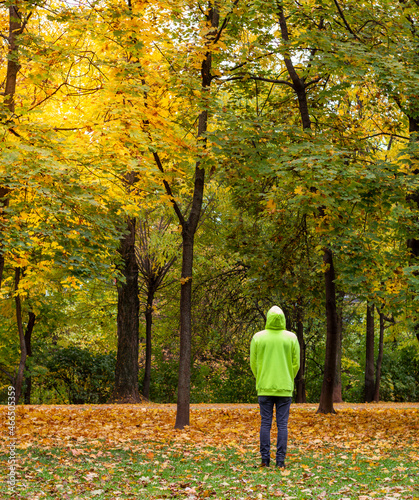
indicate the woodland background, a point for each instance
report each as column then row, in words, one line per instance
column 274, row 143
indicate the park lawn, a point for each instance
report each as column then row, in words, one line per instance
column 133, row 452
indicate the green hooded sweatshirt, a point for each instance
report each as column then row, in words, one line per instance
column 275, row 356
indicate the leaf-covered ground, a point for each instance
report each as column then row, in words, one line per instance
column 133, row 452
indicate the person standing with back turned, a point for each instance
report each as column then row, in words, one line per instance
column 275, row 361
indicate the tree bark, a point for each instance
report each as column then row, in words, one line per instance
column 326, row 396
column 23, row 352
column 300, row 379
column 369, row 356
column 126, row 370
column 413, row 243
column 28, row 342
column 183, row 397
column 153, row 273
column 16, row 27
column 297, row 82
column 379, row 360
column 148, row 333
column 337, row 384
column 188, row 236
column 300, row 88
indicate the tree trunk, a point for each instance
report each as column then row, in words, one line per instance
column 148, row 331
column 4, row 203
column 188, row 235
column 369, row 356
column 23, row 353
column 326, row 396
column 299, row 86
column 300, row 379
column 28, row 342
column 413, row 243
column 16, row 27
column 379, row 360
column 337, row 384
column 153, row 273
column 183, row 398
column 126, row 370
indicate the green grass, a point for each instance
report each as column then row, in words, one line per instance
column 156, row 472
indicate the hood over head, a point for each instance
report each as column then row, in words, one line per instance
column 275, row 319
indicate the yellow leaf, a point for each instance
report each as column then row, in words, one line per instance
column 271, row 206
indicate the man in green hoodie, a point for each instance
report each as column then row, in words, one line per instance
column 275, row 361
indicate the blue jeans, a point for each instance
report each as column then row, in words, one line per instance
column 282, row 406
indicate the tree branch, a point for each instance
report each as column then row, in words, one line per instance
column 384, row 133
column 298, row 84
column 260, row 78
column 255, row 59
column 342, row 15
column 316, row 80
column 169, row 190
column 9, row 375
column 226, row 19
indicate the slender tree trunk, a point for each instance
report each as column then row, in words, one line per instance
column 148, row 332
column 28, row 342
column 337, row 385
column 326, row 396
column 16, row 27
column 188, row 235
column 23, row 352
column 413, row 243
column 298, row 84
column 126, row 370
column 369, row 356
column 182, row 414
column 4, row 203
column 379, row 360
column 300, row 379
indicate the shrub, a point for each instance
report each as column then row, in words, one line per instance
column 86, row 377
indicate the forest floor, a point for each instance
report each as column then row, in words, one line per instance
column 115, row 452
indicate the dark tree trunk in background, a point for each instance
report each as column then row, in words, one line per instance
column 379, row 360
column 337, row 384
column 369, row 356
column 153, row 273
column 23, row 354
column 148, row 333
column 300, row 379
column 28, row 342
column 126, row 370
column 326, row 396
column 413, row 243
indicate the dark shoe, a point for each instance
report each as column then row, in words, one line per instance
column 280, row 465
column 265, row 463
